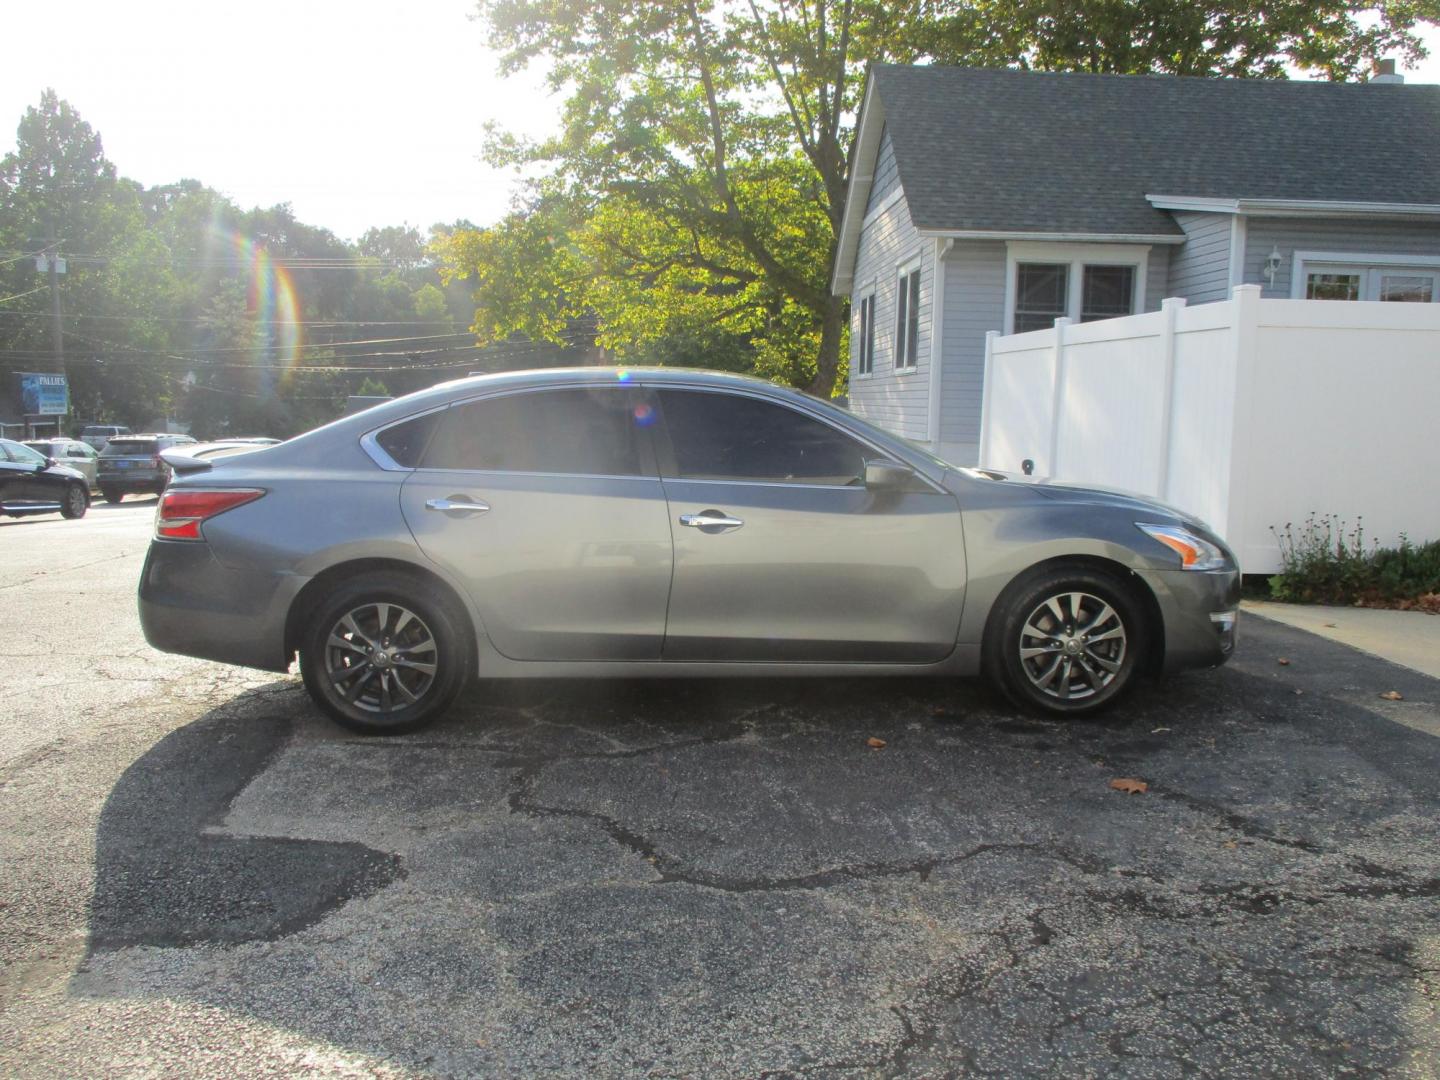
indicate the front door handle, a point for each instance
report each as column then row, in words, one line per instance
column 710, row 519
column 462, row 506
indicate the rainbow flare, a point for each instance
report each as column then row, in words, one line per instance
column 271, row 300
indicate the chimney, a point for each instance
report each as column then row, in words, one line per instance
column 1385, row 74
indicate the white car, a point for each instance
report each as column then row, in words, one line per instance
column 99, row 435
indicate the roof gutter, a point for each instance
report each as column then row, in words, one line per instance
column 1054, row 237
column 1293, row 207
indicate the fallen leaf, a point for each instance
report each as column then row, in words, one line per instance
column 1129, row 785
column 1331, row 625
column 874, row 743
column 1231, row 845
column 1283, row 662
column 1392, row 695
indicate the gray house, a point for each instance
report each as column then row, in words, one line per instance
column 1001, row 200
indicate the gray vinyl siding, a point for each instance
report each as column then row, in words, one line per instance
column 1200, row 268
column 1157, row 277
column 1352, row 236
column 895, row 402
column 974, row 304
column 887, row 177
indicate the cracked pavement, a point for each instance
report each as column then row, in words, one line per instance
column 204, row 877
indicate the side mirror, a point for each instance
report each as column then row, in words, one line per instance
column 51, row 462
column 888, row 476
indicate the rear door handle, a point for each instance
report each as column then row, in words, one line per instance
column 710, row 519
column 463, row 506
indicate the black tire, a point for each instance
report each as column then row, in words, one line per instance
column 364, row 684
column 1049, row 616
column 76, row 501
column 111, row 495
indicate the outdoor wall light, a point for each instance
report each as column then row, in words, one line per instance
column 1272, row 264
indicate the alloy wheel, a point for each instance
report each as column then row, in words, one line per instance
column 1072, row 646
column 381, row 657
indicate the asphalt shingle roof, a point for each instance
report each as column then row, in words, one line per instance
column 1004, row 150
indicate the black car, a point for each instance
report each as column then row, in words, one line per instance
column 31, row 483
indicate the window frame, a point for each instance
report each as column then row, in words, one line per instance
column 665, row 448
column 1077, row 256
column 1368, row 265
column 903, row 341
column 865, row 351
column 369, row 442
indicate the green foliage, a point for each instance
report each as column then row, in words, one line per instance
column 170, row 305
column 1326, row 562
column 372, row 387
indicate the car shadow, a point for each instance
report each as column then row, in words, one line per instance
column 702, row 876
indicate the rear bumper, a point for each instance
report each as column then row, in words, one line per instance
column 1194, row 606
column 138, row 480
column 192, row 605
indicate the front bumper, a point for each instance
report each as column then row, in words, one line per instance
column 192, row 605
column 1199, row 609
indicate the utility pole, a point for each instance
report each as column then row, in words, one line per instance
column 56, row 267
column 49, row 261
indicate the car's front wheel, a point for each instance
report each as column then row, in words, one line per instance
column 385, row 654
column 1067, row 642
column 76, row 501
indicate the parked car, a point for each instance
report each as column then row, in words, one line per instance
column 97, row 435
column 131, row 464
column 31, row 483
column 72, row 453
column 592, row 522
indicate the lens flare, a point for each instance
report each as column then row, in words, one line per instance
column 271, row 301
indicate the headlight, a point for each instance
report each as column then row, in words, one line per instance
column 1196, row 553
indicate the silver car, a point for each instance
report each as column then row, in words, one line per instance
column 602, row 522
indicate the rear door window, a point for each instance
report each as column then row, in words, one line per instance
column 594, row 431
column 721, row 436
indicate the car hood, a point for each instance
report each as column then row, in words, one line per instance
column 1116, row 498
column 66, row 471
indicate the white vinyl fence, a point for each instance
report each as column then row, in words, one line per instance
column 1248, row 413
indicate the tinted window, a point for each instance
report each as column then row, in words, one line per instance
column 730, row 437
column 129, row 448
column 406, row 442
column 594, row 431
column 25, row 454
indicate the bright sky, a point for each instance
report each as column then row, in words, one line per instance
column 356, row 112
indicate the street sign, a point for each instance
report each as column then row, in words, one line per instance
column 44, row 395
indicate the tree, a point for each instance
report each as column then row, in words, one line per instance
column 704, row 154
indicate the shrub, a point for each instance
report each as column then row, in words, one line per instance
column 1324, row 562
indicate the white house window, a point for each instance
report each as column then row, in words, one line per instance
column 1395, row 279
column 865, row 356
column 1041, row 295
column 1081, row 282
column 907, row 320
column 1107, row 293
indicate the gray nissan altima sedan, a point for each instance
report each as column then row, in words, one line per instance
column 603, row 522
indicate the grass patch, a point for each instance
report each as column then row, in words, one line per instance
column 1325, row 562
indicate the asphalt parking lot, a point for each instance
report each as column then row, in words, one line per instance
column 202, row 876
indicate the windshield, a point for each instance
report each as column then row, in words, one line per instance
column 128, row 448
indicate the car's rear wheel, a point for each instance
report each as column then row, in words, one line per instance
column 1069, row 642
column 385, row 654
column 111, row 495
column 76, row 502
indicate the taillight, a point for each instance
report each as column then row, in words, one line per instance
column 182, row 512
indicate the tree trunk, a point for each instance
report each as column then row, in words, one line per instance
column 827, row 364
